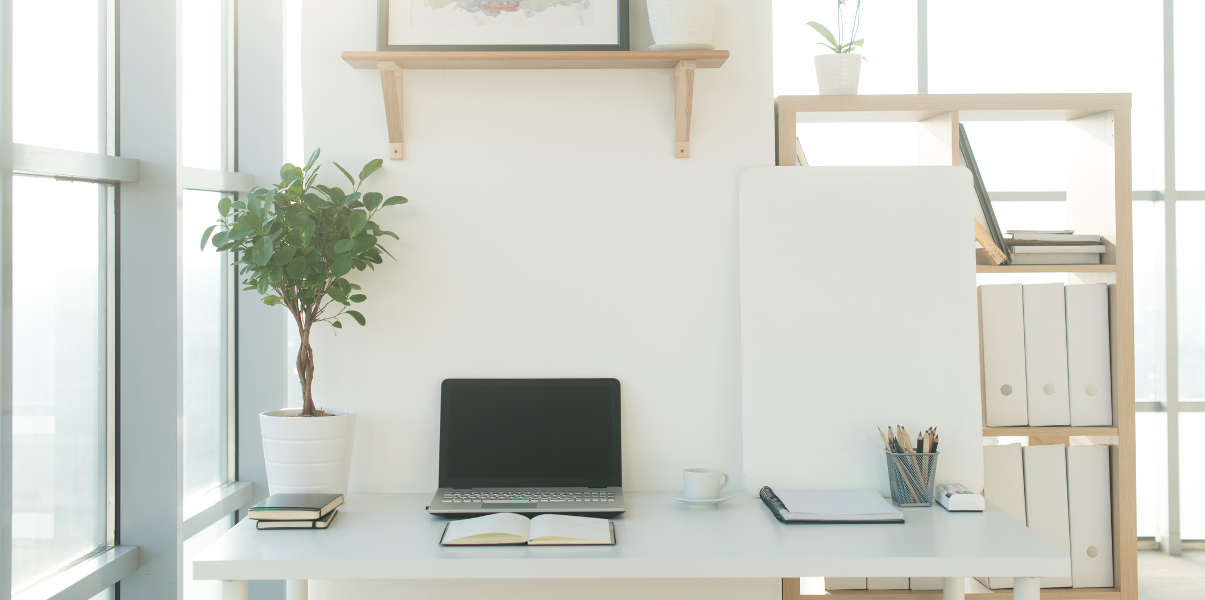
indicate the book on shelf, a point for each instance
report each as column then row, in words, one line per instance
column 320, row 523
column 1066, row 258
column 1075, row 249
column 511, row 529
column 1019, row 237
column 295, row 507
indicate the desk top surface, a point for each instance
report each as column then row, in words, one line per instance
column 389, row 536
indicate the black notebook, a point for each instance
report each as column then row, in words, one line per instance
column 295, row 507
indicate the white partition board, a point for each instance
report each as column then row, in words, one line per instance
column 858, row 310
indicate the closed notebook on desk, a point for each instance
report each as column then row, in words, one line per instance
column 824, row 506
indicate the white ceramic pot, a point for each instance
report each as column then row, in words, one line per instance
column 838, row 73
column 307, row 454
column 682, row 24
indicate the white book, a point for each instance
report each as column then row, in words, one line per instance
column 1088, row 495
column 1046, row 500
column 1004, row 490
column 1002, row 335
column 887, row 583
column 1044, row 236
column 1089, row 374
column 1085, row 249
column 844, row 583
column 1046, row 353
column 1055, row 259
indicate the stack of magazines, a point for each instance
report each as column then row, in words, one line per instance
column 296, row 511
column 1064, row 247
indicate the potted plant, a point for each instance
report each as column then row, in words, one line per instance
column 682, row 24
column 297, row 244
column 837, row 73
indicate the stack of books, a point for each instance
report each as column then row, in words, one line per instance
column 1053, row 248
column 296, row 511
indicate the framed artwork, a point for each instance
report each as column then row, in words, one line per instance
column 503, row 25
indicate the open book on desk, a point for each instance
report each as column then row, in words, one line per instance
column 856, row 506
column 513, row 529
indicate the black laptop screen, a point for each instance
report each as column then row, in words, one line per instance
column 531, row 432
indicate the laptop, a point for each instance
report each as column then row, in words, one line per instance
column 528, row 446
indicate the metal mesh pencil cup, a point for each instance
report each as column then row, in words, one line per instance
column 913, row 477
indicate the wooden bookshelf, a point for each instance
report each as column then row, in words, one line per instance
column 1099, row 200
column 391, row 65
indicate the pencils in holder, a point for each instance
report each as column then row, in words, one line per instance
column 911, row 465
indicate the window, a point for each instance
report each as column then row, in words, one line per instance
column 1190, row 218
column 1190, row 95
column 60, row 374
column 203, row 85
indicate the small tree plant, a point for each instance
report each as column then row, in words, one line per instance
column 839, row 43
column 297, row 242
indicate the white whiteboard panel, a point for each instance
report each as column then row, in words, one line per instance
column 858, row 310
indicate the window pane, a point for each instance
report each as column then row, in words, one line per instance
column 1150, row 304
column 1190, row 263
column 57, row 83
column 202, row 126
column 1190, row 95
column 1065, row 46
column 888, row 26
column 203, row 589
column 1192, row 477
column 59, row 375
column 1151, row 473
column 205, row 333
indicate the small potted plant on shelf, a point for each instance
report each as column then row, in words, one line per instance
column 837, row 73
column 298, row 244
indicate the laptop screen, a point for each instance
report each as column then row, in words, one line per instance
column 529, row 432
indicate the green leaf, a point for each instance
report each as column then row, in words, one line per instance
column 357, row 297
column 357, row 316
column 271, row 300
column 290, row 172
column 309, row 162
column 346, row 174
column 370, row 167
column 395, row 200
column 261, row 253
column 285, row 255
column 337, row 195
column 224, row 206
column 343, row 246
column 822, row 30
column 205, row 236
column 356, row 222
column 336, row 325
column 365, row 241
column 341, row 266
column 372, row 200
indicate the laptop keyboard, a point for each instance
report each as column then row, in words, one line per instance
column 527, row 496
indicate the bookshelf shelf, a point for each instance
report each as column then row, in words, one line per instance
column 391, row 65
column 1098, row 200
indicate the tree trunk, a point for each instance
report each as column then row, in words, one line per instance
column 305, row 373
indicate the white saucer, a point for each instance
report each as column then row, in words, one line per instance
column 682, row 47
column 703, row 500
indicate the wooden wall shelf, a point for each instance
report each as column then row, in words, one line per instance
column 392, row 64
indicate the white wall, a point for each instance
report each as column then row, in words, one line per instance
column 550, row 233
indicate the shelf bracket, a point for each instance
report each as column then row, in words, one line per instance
column 684, row 92
column 391, row 88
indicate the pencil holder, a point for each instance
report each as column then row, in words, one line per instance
column 912, row 476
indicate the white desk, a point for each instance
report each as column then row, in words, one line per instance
column 390, row 537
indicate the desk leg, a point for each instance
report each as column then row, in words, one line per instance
column 1026, row 588
column 954, row 589
column 297, row 589
column 234, row 590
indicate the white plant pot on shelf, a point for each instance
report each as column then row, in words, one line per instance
column 307, row 454
column 838, row 73
column 682, row 24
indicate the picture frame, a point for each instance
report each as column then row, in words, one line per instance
column 468, row 25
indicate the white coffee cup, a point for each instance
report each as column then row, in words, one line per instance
column 703, row 484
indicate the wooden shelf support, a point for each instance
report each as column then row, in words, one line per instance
column 684, row 97
column 391, row 88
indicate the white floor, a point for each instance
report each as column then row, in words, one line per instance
column 1163, row 577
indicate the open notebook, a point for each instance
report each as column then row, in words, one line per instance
column 513, row 529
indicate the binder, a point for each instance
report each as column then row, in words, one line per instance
column 926, row 583
column 1004, row 490
column 844, row 583
column 1002, row 335
column 1046, row 500
column 887, row 583
column 1046, row 353
column 1088, row 371
column 1088, row 495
